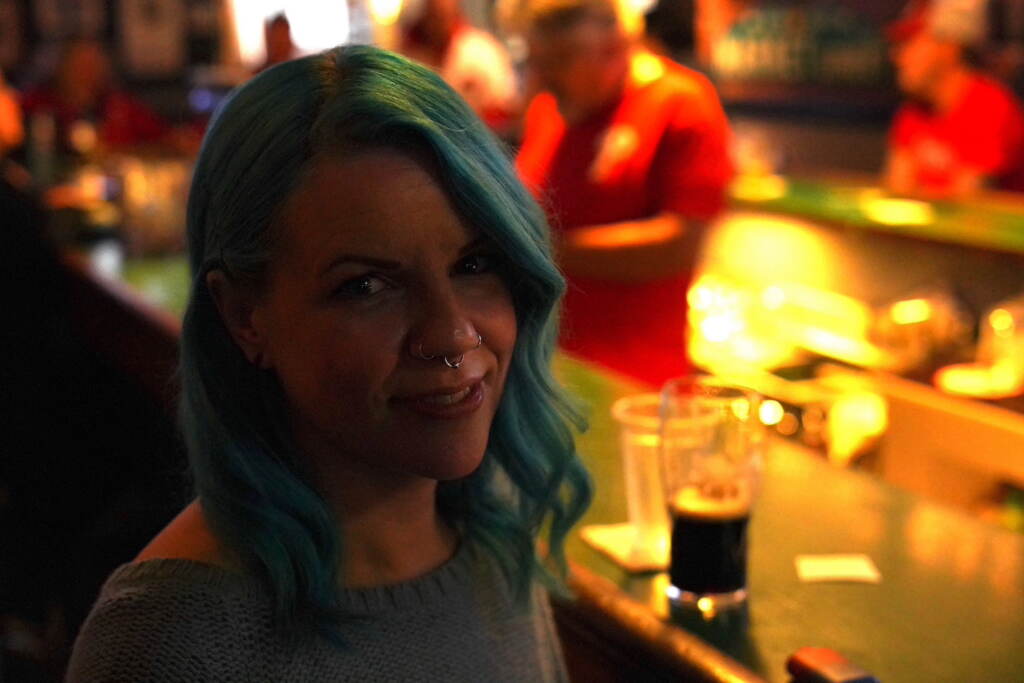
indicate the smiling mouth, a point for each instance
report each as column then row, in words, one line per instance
column 446, row 399
column 447, row 405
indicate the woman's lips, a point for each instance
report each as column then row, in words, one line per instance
column 446, row 404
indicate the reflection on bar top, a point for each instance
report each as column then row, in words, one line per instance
column 992, row 221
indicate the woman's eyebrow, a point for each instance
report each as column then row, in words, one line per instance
column 475, row 244
column 386, row 264
column 361, row 259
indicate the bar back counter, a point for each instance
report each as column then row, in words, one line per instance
column 949, row 607
column 852, row 252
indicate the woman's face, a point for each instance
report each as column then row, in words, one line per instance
column 374, row 274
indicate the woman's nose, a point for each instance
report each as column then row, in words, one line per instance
column 444, row 330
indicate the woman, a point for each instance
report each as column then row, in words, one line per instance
column 375, row 437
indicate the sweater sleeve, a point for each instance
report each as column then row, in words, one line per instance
column 152, row 634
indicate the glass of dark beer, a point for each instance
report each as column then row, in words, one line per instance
column 711, row 441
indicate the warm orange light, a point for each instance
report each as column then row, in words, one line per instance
column 629, row 235
column 771, row 412
column 759, row 187
column 700, row 297
column 719, row 328
column 849, row 349
column 838, row 313
column 980, row 380
column 733, row 327
column 1001, row 321
column 740, row 408
column 646, row 68
column 773, row 297
column 385, row 12
column 890, row 211
column 855, row 420
column 728, row 329
column 765, row 248
column 788, row 425
column 911, row 311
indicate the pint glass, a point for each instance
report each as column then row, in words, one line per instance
column 711, row 465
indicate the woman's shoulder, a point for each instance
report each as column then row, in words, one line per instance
column 188, row 536
column 178, row 607
column 171, row 619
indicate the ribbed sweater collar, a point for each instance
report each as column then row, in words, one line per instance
column 451, row 577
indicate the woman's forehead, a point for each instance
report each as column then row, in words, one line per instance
column 379, row 199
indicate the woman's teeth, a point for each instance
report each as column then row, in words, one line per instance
column 446, row 399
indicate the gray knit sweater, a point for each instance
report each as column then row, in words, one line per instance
column 178, row 620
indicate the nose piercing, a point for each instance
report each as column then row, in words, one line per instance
column 453, row 362
column 456, row 362
column 422, row 356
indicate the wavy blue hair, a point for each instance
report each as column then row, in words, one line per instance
column 247, row 473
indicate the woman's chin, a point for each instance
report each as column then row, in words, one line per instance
column 456, row 466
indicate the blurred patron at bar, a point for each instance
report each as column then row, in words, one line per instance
column 959, row 130
column 277, row 34
column 85, row 108
column 469, row 59
column 628, row 153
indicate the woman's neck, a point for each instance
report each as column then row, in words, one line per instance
column 388, row 522
column 951, row 90
column 392, row 534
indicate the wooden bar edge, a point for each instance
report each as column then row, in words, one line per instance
column 624, row 634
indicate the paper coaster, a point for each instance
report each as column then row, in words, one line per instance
column 852, row 567
column 616, row 542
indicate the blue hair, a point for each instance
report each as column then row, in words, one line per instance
column 247, row 475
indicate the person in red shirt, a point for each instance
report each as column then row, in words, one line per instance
column 81, row 90
column 628, row 153
column 959, row 130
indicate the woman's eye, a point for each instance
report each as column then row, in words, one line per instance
column 476, row 264
column 361, row 287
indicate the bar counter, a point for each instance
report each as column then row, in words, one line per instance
column 950, row 606
column 992, row 221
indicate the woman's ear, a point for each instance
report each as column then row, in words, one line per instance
column 237, row 305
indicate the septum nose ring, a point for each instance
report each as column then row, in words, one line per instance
column 450, row 362
column 458, row 361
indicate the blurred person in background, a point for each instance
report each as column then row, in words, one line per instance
column 277, row 35
column 472, row 61
column 959, row 130
column 629, row 154
column 87, row 108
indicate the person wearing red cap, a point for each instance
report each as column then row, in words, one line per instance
column 959, row 130
column 628, row 153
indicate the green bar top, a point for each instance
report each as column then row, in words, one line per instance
column 992, row 221
column 950, row 606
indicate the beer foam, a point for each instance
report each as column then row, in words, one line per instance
column 692, row 502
